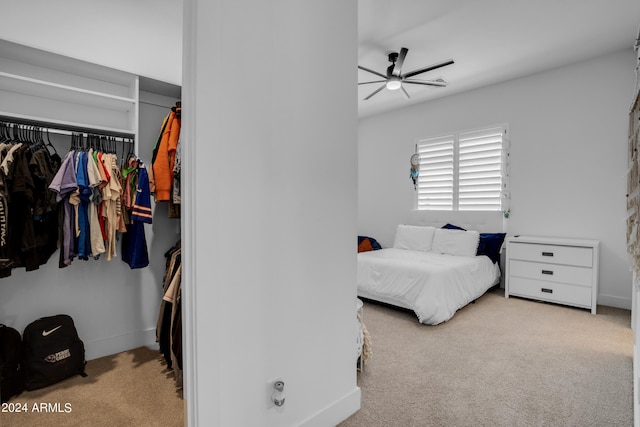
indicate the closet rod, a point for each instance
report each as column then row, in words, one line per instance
column 65, row 129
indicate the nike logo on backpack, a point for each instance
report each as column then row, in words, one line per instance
column 45, row 333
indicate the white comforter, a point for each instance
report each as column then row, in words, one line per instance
column 433, row 285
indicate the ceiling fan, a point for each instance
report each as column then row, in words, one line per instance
column 394, row 79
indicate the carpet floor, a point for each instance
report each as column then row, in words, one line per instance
column 133, row 388
column 497, row 362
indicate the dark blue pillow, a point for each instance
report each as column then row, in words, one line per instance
column 489, row 245
column 452, row 227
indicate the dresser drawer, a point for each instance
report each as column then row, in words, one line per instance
column 550, row 291
column 551, row 254
column 582, row 276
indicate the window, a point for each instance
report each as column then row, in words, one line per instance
column 463, row 171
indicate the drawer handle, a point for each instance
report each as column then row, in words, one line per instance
column 549, row 272
column 547, row 290
column 547, row 253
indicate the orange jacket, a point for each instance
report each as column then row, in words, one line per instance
column 165, row 157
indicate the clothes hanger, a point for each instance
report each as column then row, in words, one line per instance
column 22, row 137
column 14, row 134
column 21, row 134
column 3, row 135
column 75, row 142
column 49, row 144
column 130, row 153
column 33, row 138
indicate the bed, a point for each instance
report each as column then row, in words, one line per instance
column 433, row 271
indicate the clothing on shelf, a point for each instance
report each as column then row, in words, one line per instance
column 28, row 212
column 165, row 163
column 169, row 325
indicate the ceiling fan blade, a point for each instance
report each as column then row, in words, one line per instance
column 376, row 91
column 375, row 81
column 372, row 72
column 398, row 65
column 429, row 68
column 406, row 94
column 439, row 83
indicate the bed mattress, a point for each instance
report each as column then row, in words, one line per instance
column 433, row 285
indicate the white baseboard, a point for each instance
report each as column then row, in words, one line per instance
column 337, row 412
column 636, row 396
column 613, row 301
column 120, row 343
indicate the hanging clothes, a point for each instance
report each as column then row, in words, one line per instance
column 89, row 190
column 176, row 195
column 134, row 243
column 163, row 158
column 75, row 204
column 5, row 261
column 165, row 164
column 83, row 230
column 111, row 212
column 65, row 185
column 96, row 237
column 28, row 215
column 169, row 325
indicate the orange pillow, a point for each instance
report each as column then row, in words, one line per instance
column 365, row 246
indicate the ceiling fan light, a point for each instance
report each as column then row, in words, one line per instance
column 394, row 83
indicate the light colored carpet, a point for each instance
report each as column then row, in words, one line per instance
column 498, row 362
column 133, row 388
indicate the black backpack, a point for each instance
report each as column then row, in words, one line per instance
column 51, row 351
column 11, row 376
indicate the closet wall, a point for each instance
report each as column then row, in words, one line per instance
column 115, row 308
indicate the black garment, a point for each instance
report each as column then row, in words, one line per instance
column 176, row 332
column 28, row 211
column 22, row 240
column 167, row 328
column 43, row 167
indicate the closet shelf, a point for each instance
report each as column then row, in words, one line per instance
column 66, row 125
column 44, row 89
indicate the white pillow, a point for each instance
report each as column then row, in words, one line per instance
column 414, row 237
column 455, row 242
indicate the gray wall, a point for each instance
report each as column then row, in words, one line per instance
column 270, row 235
column 568, row 131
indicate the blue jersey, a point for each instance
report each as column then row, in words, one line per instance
column 134, row 242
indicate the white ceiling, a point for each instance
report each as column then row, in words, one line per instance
column 489, row 40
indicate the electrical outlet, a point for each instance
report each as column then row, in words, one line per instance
column 270, row 388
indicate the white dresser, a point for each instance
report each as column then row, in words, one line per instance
column 563, row 271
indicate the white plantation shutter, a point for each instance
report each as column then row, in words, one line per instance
column 436, row 179
column 480, row 170
column 462, row 171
